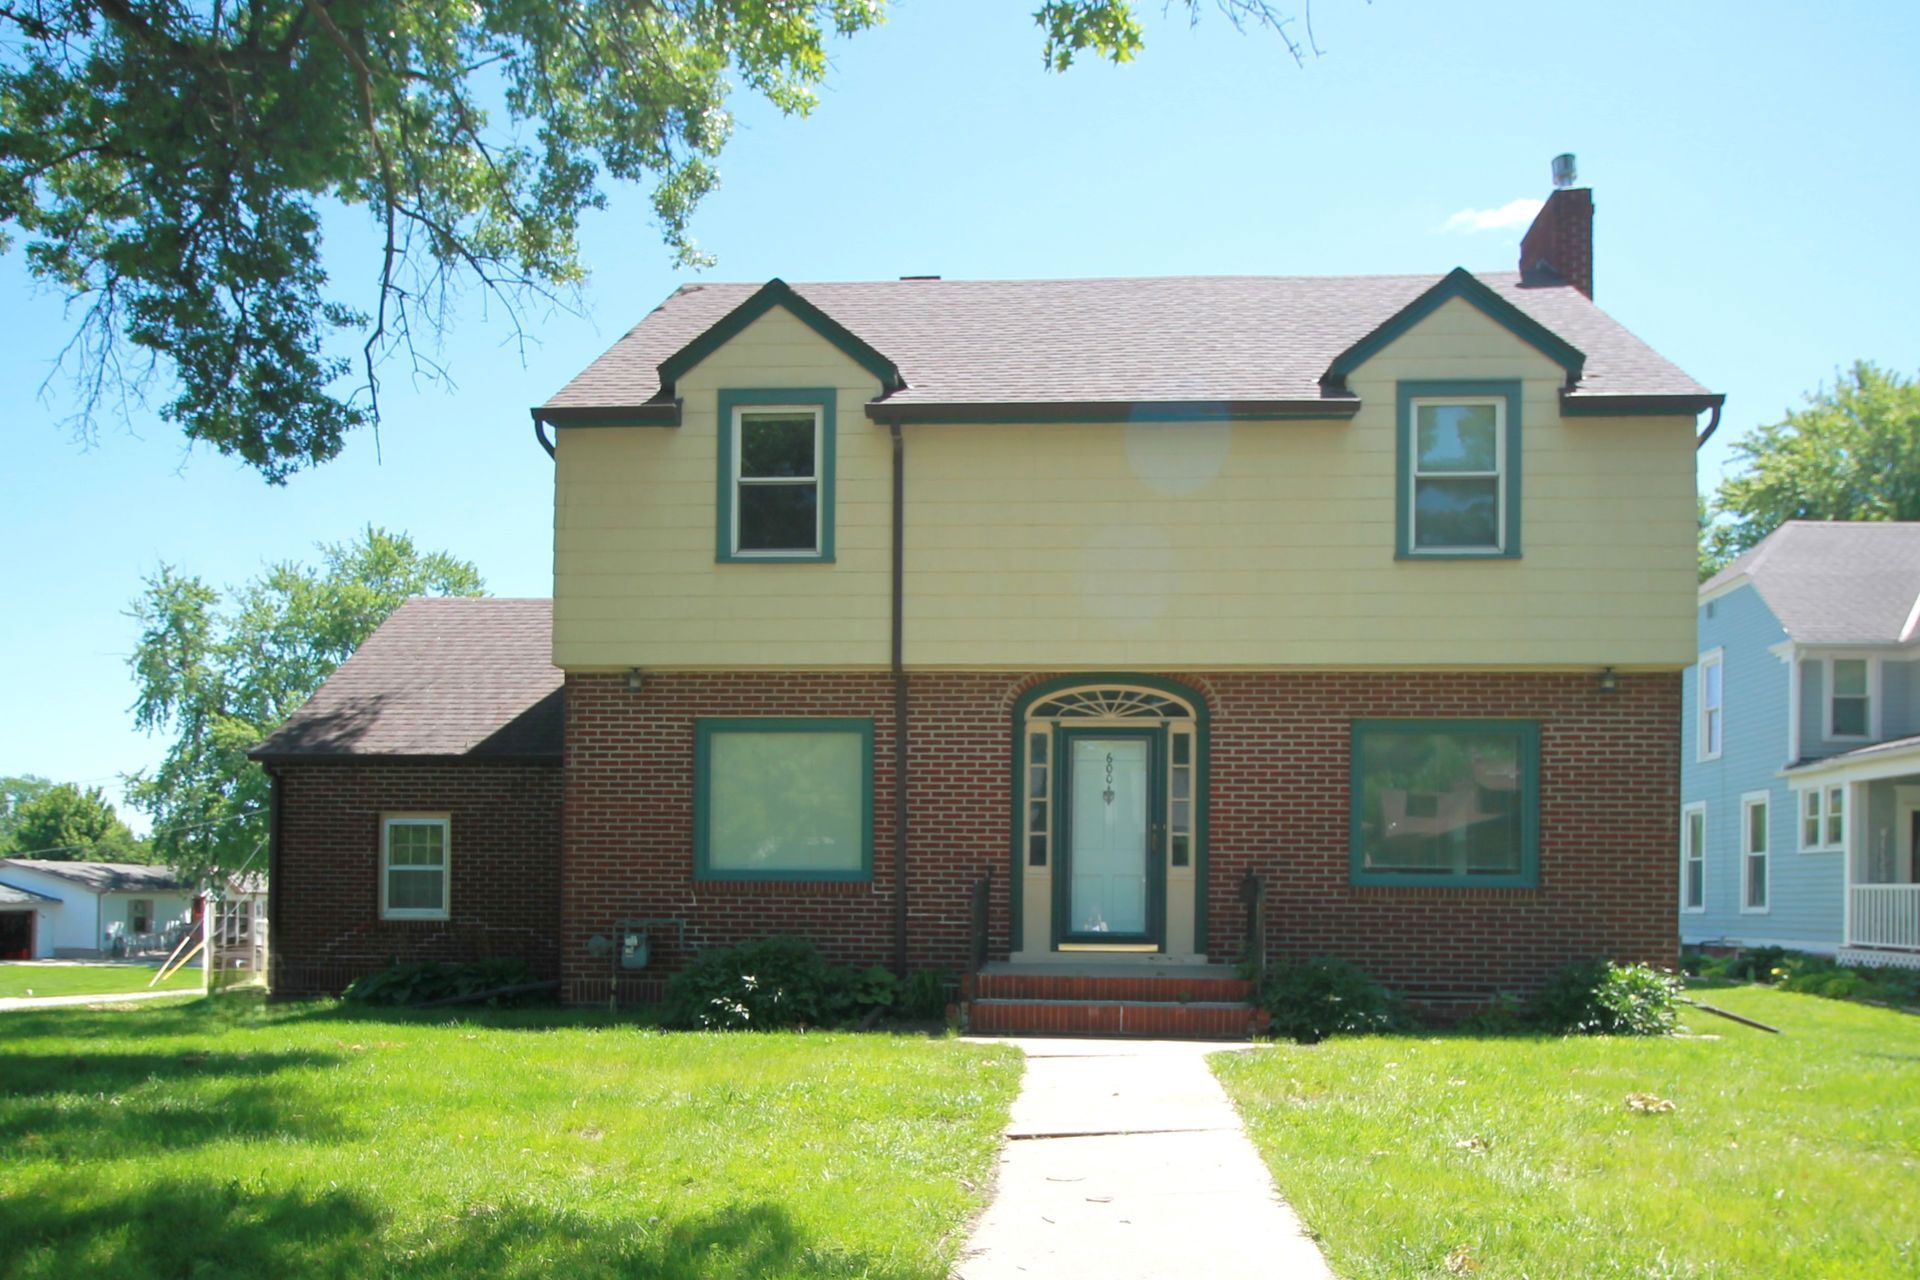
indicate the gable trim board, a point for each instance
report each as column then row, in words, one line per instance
column 778, row 293
column 1458, row 283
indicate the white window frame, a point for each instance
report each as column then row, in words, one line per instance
column 738, row 481
column 1690, row 853
column 1763, row 801
column 1708, row 746
column 445, row 822
column 1499, row 475
column 1828, row 693
column 1817, row 805
column 133, row 905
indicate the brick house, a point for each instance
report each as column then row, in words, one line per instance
column 1058, row 623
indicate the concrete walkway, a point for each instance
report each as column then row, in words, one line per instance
column 54, row 1002
column 1124, row 1159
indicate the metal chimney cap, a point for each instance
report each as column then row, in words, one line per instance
column 1564, row 174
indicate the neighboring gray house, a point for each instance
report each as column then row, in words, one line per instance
column 1800, row 782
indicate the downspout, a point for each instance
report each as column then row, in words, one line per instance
column 1713, row 424
column 274, row 811
column 898, row 662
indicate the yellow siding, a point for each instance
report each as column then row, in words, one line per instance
column 1143, row 547
column 634, row 577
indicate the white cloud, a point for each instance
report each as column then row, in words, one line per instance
column 1514, row 213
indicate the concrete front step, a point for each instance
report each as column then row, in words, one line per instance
column 1193, row 1020
column 1213, row 984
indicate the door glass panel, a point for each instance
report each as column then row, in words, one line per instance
column 1109, row 793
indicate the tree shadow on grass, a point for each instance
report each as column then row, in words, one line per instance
column 232, row 1228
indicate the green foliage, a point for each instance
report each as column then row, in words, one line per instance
column 169, row 165
column 1597, row 997
column 230, row 1139
column 15, row 792
column 218, row 674
column 923, row 997
column 69, row 824
column 1809, row 974
column 1327, row 996
column 1520, row 1156
column 774, row 984
column 1851, row 453
column 417, row 983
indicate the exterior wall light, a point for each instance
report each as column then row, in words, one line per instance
column 633, row 680
column 1609, row 683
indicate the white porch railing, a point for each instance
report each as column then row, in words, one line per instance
column 1886, row 915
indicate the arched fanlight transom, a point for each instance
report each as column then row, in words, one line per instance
column 1110, row 702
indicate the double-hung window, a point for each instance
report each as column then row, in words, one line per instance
column 1849, row 699
column 414, row 866
column 1445, row 802
column 1823, row 818
column 776, row 475
column 779, row 799
column 1693, row 858
column 1753, row 851
column 1712, row 695
column 1459, row 472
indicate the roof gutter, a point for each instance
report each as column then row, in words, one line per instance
column 652, row 413
column 1331, row 408
column 1713, row 424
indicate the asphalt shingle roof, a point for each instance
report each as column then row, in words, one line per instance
column 441, row 677
column 1137, row 340
column 1836, row 582
column 101, row 877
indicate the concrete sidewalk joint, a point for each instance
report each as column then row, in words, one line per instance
column 1159, row 1178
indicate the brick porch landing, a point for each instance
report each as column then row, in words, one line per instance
column 1183, row 1002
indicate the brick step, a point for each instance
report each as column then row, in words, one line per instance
column 1197, row 1020
column 1146, row 989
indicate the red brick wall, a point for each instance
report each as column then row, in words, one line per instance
column 504, row 856
column 1609, row 782
column 1561, row 237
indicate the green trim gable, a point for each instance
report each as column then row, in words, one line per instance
column 1458, row 283
column 778, row 293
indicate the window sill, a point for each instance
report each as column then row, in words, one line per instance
column 1456, row 555
column 736, row 558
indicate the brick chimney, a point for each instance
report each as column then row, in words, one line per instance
column 1558, row 247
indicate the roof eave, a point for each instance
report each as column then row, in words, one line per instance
column 1576, row 404
column 1331, row 408
column 652, row 413
column 382, row 758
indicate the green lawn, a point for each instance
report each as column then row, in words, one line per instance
column 1795, row 1155
column 237, row 1140
column 88, row 979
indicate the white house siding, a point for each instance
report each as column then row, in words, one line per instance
column 85, row 922
column 1805, row 890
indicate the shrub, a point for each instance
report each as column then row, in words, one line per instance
column 1596, row 997
column 1324, row 997
column 417, row 983
column 923, row 997
column 774, row 983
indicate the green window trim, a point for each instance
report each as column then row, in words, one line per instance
column 1403, row 451
column 704, row 732
column 1528, row 877
column 822, row 399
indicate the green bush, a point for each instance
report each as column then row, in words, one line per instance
column 923, row 997
column 774, row 983
column 1324, row 997
column 1599, row 998
column 417, row 983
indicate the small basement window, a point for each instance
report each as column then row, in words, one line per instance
column 414, row 866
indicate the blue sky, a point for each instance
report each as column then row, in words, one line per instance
column 1756, row 222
